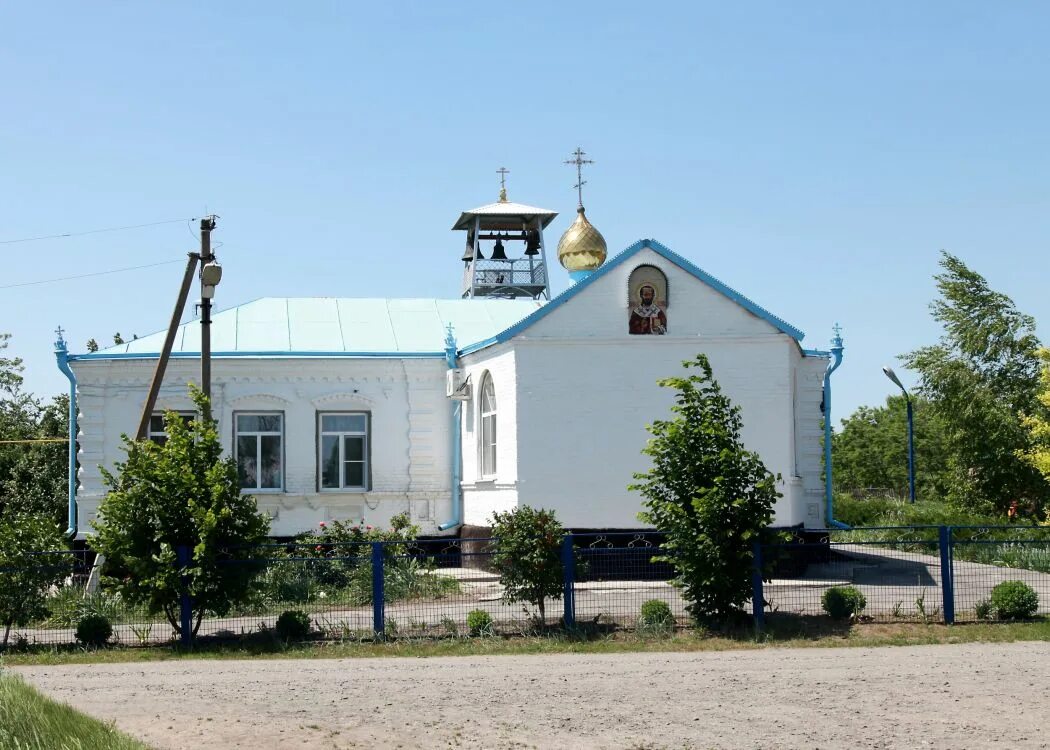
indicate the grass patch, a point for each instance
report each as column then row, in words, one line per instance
column 788, row 631
column 29, row 721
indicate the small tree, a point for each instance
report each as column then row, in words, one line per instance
column 182, row 493
column 527, row 555
column 710, row 496
column 32, row 560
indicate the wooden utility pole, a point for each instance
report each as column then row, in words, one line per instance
column 169, row 340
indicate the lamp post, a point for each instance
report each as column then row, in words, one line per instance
column 911, row 432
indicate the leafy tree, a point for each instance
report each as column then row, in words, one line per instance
column 981, row 378
column 10, row 369
column 117, row 338
column 92, row 345
column 181, row 493
column 1038, row 454
column 528, row 556
column 710, row 496
column 33, row 475
column 25, row 573
column 871, row 449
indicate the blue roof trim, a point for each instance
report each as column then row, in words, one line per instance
column 668, row 254
column 278, row 354
column 816, row 353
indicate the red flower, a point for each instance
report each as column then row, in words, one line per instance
column 322, row 524
column 319, row 548
column 368, row 528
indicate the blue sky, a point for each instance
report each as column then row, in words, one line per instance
column 815, row 156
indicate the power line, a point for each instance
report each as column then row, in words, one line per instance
column 96, row 273
column 93, row 231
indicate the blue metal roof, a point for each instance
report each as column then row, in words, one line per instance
column 335, row 327
column 665, row 252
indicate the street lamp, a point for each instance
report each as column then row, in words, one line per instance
column 911, row 431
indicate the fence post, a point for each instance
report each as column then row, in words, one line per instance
column 568, row 566
column 182, row 558
column 758, row 600
column 947, row 574
column 378, row 602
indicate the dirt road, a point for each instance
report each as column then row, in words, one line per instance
column 967, row 696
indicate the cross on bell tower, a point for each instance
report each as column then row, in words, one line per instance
column 503, row 172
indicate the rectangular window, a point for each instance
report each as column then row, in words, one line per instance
column 343, row 445
column 259, row 450
column 157, row 432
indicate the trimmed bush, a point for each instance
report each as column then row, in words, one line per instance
column 293, row 625
column 1014, row 600
column 528, row 556
column 94, row 630
column 843, row 602
column 479, row 622
column 655, row 615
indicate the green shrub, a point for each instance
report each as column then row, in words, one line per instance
column 27, row 573
column 69, row 604
column 479, row 622
column 293, row 625
column 983, row 609
column 288, row 581
column 94, row 630
column 528, row 556
column 655, row 615
column 1014, row 600
column 843, row 602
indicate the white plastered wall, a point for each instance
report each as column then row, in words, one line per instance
column 410, row 429
column 482, row 496
column 587, row 389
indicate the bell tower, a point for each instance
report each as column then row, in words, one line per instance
column 505, row 255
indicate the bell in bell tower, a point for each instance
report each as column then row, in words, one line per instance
column 504, row 254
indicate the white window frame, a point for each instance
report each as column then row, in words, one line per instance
column 258, row 449
column 366, row 452
column 484, row 471
column 163, row 433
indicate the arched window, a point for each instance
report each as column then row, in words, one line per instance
column 488, row 427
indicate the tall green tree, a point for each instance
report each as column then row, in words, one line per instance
column 709, row 495
column 33, row 475
column 871, row 450
column 981, row 378
column 182, row 493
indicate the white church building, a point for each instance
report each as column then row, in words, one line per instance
column 450, row 409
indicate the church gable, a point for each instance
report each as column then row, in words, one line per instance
column 649, row 290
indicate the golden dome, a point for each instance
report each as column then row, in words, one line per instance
column 582, row 247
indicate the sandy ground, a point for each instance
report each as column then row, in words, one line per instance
column 965, row 696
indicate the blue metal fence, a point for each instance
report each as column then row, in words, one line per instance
column 430, row 588
column 914, row 573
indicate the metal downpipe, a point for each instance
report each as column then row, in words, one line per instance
column 62, row 357
column 829, row 511
column 455, row 474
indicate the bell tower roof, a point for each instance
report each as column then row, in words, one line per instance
column 504, row 215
